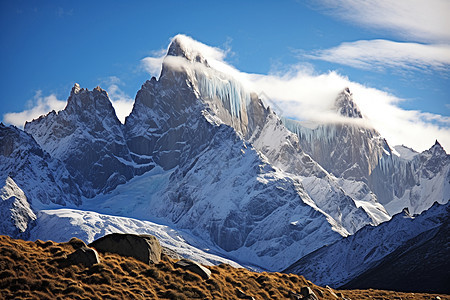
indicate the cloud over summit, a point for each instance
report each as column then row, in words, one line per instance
column 305, row 95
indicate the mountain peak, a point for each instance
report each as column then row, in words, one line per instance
column 437, row 144
column 76, row 89
column 345, row 105
column 184, row 46
column 437, row 148
column 83, row 101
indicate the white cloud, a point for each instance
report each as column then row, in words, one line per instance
column 302, row 94
column 419, row 20
column 38, row 106
column 424, row 23
column 215, row 57
column 152, row 65
column 382, row 54
column 309, row 97
column 122, row 103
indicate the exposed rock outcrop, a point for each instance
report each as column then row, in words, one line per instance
column 194, row 267
column 145, row 248
column 84, row 255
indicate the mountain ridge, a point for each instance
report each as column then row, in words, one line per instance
column 343, row 261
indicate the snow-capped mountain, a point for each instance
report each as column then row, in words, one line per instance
column 203, row 155
column 89, row 226
column 343, row 261
column 415, row 182
column 197, row 119
column 368, row 169
column 29, row 177
column 348, row 150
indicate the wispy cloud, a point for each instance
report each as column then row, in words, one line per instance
column 418, row 20
column 215, row 56
column 37, row 106
column 381, row 54
column 422, row 24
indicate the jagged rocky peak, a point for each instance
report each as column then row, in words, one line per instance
column 186, row 70
column 76, row 89
column 433, row 161
column 436, row 153
column 183, row 46
column 88, row 137
column 345, row 105
column 83, row 100
column 437, row 149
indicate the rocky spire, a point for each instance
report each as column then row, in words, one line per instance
column 345, row 105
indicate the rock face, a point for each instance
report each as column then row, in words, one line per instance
column 84, row 255
column 419, row 181
column 15, row 212
column 43, row 179
column 349, row 150
column 145, row 248
column 193, row 267
column 345, row 260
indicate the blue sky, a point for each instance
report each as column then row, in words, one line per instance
column 47, row 46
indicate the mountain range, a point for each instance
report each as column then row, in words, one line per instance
column 215, row 173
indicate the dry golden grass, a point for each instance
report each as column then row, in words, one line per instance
column 30, row 270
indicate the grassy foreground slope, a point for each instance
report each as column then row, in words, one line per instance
column 30, row 270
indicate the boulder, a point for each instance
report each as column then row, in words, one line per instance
column 76, row 243
column 84, row 255
column 308, row 293
column 145, row 248
column 193, row 267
